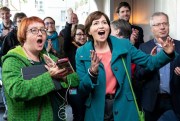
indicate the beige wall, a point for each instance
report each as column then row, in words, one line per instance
column 143, row 9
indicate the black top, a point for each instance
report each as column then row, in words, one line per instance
column 69, row 47
column 9, row 42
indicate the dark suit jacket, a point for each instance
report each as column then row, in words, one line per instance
column 140, row 37
column 152, row 80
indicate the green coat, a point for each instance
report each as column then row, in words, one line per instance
column 124, row 108
column 24, row 97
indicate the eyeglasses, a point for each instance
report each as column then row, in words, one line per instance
column 36, row 30
column 19, row 21
column 48, row 23
column 81, row 34
column 165, row 24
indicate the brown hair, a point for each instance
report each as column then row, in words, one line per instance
column 18, row 15
column 4, row 9
column 123, row 4
column 79, row 26
column 94, row 16
column 49, row 18
column 24, row 26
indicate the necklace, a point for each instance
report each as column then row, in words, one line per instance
column 30, row 59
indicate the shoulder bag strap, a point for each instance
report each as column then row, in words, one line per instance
column 130, row 85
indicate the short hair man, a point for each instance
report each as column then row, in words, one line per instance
column 124, row 11
column 7, row 25
column 10, row 40
column 160, row 92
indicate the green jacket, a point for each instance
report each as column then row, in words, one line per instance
column 24, row 97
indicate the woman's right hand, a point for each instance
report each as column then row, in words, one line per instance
column 53, row 69
column 69, row 15
column 95, row 61
column 56, row 72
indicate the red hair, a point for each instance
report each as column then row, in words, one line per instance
column 22, row 29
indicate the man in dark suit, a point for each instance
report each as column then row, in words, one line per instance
column 124, row 12
column 161, row 88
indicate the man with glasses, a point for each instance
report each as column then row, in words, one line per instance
column 161, row 88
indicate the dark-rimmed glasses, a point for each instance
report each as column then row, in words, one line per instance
column 81, row 34
column 165, row 24
column 36, row 30
column 49, row 23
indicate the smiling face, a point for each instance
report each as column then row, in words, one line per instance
column 49, row 24
column 80, row 37
column 5, row 16
column 124, row 13
column 35, row 41
column 99, row 29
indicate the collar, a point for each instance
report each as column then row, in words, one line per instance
column 157, row 44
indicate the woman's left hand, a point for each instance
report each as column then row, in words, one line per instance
column 168, row 45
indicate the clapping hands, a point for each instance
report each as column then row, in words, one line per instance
column 134, row 36
column 53, row 69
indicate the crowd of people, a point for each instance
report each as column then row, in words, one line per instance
column 101, row 54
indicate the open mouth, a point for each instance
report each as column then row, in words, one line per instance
column 39, row 41
column 101, row 32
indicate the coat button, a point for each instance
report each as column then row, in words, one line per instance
column 116, row 112
column 115, row 69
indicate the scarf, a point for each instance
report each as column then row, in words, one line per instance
column 55, row 41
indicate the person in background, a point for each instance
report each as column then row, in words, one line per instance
column 103, row 78
column 53, row 43
column 5, row 27
column 121, row 29
column 124, row 12
column 161, row 90
column 11, row 40
column 73, row 39
column 74, row 21
column 37, row 98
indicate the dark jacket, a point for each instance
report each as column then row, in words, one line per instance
column 152, row 80
column 9, row 42
column 69, row 47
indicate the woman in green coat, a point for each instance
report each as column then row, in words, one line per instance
column 103, row 79
column 34, row 98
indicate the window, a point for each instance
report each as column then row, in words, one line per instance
column 63, row 16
